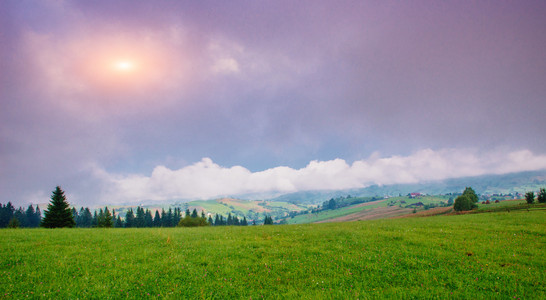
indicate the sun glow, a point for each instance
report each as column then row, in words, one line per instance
column 111, row 69
column 124, row 66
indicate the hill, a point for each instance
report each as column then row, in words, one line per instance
column 511, row 183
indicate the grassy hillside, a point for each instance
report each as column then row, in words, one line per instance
column 251, row 209
column 378, row 209
column 473, row 256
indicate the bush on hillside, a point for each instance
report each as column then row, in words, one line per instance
column 189, row 221
column 463, row 203
column 530, row 197
column 541, row 197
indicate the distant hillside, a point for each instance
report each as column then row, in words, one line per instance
column 486, row 184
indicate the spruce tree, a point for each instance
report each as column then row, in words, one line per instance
column 119, row 222
column 229, row 220
column 163, row 218
column 107, row 220
column 37, row 216
column 139, row 220
column 177, row 216
column 86, row 218
column 148, row 220
column 130, row 218
column 6, row 214
column 21, row 217
column 114, row 223
column 75, row 215
column 170, row 218
column 58, row 213
column 157, row 219
column 31, row 217
column 100, row 222
column 95, row 220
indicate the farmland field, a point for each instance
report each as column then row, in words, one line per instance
column 492, row 255
column 377, row 209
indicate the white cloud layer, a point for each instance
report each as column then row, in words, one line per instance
column 206, row 179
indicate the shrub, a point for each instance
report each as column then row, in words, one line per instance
column 530, row 197
column 463, row 203
column 14, row 223
column 188, row 221
column 541, row 197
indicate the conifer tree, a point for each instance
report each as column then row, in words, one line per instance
column 86, row 218
column 58, row 213
column 75, row 215
column 37, row 216
column 157, row 219
column 100, row 219
column 169, row 220
column 216, row 220
column 268, row 220
column 139, row 219
column 114, row 218
column 32, row 217
column 130, row 218
column 194, row 213
column 119, row 222
column 95, row 220
column 148, row 220
column 21, row 217
column 6, row 214
column 177, row 216
column 107, row 218
column 163, row 218
column 229, row 219
column 210, row 220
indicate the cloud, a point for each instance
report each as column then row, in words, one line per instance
column 206, row 179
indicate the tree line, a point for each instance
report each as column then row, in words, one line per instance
column 20, row 217
column 59, row 214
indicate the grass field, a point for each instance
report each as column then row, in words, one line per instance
column 473, row 256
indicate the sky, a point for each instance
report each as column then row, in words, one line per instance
column 139, row 101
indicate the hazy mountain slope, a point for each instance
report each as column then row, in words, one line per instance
column 486, row 184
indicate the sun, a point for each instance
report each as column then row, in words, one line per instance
column 124, row 66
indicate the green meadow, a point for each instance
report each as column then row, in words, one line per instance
column 473, row 256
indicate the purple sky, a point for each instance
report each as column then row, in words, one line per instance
column 127, row 101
